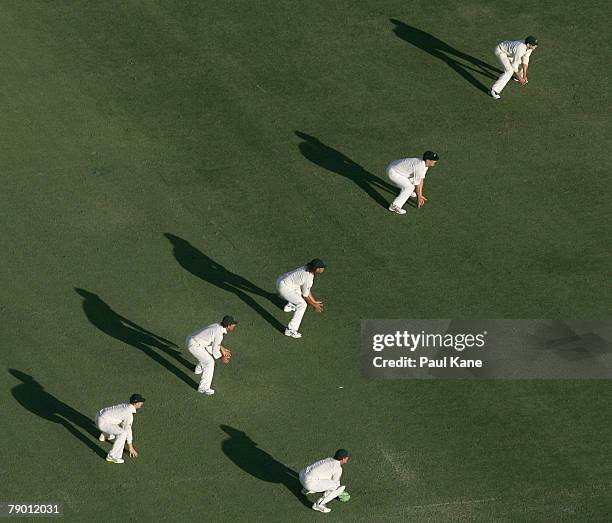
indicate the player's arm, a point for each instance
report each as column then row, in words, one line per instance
column 216, row 347
column 524, row 66
column 128, row 427
column 317, row 305
column 419, row 192
column 516, row 65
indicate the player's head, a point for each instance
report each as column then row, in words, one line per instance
column 343, row 456
column 229, row 323
column 316, row 266
column 137, row 401
column 532, row 42
column 430, row 158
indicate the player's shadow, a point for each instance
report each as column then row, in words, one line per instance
column 32, row 396
column 559, row 338
column 245, row 453
column 461, row 63
column 112, row 323
column 329, row 158
column 197, row 263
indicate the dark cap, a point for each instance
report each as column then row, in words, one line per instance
column 228, row 320
column 136, row 398
column 430, row 155
column 531, row 40
column 317, row 263
column 341, row 454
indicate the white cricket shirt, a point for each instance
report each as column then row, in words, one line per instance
column 300, row 279
column 210, row 338
column 412, row 168
column 516, row 50
column 328, row 468
column 122, row 414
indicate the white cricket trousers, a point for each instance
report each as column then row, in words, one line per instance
column 331, row 489
column 406, row 186
column 294, row 297
column 508, row 70
column 206, row 362
column 120, row 436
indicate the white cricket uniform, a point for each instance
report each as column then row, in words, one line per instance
column 511, row 54
column 406, row 174
column 205, row 345
column 117, row 420
column 323, row 476
column 293, row 286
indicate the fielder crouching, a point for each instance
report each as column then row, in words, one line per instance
column 205, row 346
column 324, row 476
column 115, row 423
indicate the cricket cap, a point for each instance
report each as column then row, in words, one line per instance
column 430, row 155
column 317, row 263
column 341, row 454
column 136, row 398
column 228, row 320
column 531, row 40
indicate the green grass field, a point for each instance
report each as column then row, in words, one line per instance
column 164, row 161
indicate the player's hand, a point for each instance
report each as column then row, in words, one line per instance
column 421, row 201
column 522, row 81
column 226, row 355
column 133, row 453
column 318, row 306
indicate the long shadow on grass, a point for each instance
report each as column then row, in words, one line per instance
column 449, row 55
column 334, row 161
column 197, row 263
column 32, row 396
column 110, row 322
column 245, row 453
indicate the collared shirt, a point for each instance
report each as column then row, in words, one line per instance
column 210, row 338
column 517, row 50
column 412, row 168
column 299, row 278
column 122, row 414
column 328, row 468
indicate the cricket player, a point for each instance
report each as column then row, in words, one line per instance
column 514, row 57
column 115, row 423
column 409, row 175
column 294, row 286
column 205, row 345
column 324, row 476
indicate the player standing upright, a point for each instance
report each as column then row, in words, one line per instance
column 513, row 55
column 409, row 175
column 294, row 286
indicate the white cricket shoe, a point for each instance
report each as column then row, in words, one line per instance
column 289, row 307
column 110, row 459
column 396, row 209
column 494, row 94
column 293, row 334
column 111, row 437
column 321, row 508
column 208, row 392
column 198, row 369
